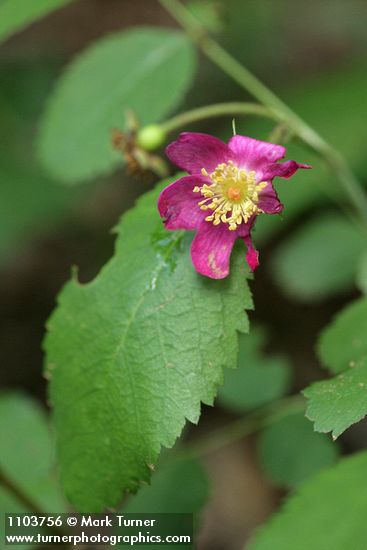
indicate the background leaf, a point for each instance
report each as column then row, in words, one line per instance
column 362, row 274
column 290, row 451
column 17, row 14
column 259, row 378
column 24, row 417
column 30, row 203
column 177, row 487
column 343, row 343
column 133, row 353
column 319, row 259
column 146, row 70
column 329, row 512
column 336, row 404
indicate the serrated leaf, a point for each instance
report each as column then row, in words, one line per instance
column 290, row 451
column 25, row 434
column 343, row 343
column 320, row 259
column 328, row 513
column 133, row 353
column 258, row 379
column 146, row 70
column 17, row 14
column 334, row 405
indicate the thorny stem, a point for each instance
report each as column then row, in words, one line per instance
column 218, row 109
column 240, row 428
column 219, row 56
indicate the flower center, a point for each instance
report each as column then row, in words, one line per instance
column 232, row 196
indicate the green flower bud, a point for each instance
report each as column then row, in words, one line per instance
column 151, row 137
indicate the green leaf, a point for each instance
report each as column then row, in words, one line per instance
column 146, row 70
column 318, row 260
column 17, row 14
column 362, row 275
column 290, row 451
column 259, row 379
column 336, row 404
column 179, row 487
column 328, row 513
column 27, row 455
column 133, row 353
column 343, row 343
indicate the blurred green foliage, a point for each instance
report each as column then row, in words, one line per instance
column 290, row 451
column 145, row 70
column 17, row 14
column 181, row 486
column 343, row 342
column 328, row 512
column 27, row 455
column 361, row 280
column 177, row 487
column 30, row 201
column 319, row 259
column 258, row 379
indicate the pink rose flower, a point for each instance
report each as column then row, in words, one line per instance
column 228, row 187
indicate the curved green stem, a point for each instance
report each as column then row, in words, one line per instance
column 229, row 65
column 216, row 110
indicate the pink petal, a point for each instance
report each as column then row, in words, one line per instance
column 283, row 169
column 211, row 249
column 253, row 154
column 178, row 204
column 269, row 201
column 193, row 151
column 252, row 255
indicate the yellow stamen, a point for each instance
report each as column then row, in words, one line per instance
column 232, row 196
